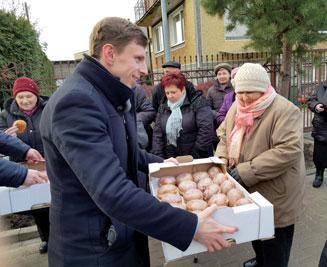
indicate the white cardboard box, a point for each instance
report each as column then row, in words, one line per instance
column 254, row 221
column 24, row 198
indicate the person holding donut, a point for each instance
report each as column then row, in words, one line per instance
column 21, row 118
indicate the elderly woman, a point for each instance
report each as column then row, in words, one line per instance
column 27, row 105
column 261, row 141
column 217, row 92
column 184, row 123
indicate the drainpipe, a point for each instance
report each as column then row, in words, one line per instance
column 198, row 34
column 165, row 29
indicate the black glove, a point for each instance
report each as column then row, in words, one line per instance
column 234, row 173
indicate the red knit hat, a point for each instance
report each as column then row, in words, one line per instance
column 25, row 84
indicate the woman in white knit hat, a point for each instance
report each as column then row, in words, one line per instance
column 261, row 142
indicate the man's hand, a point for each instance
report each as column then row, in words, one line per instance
column 12, row 131
column 173, row 160
column 210, row 233
column 33, row 155
column 35, row 177
column 319, row 108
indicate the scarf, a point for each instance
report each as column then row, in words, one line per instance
column 244, row 120
column 29, row 113
column 174, row 122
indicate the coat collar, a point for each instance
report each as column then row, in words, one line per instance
column 116, row 92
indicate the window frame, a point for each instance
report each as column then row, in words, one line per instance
column 173, row 28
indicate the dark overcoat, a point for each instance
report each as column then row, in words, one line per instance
column 319, row 121
column 12, row 174
column 196, row 134
column 90, row 142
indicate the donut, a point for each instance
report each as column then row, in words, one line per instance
column 196, row 204
column 167, row 180
column 210, row 191
column 219, row 199
column 197, row 176
column 21, row 125
column 193, row 194
column 186, row 185
column 186, row 176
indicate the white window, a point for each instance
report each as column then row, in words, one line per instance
column 176, row 22
column 158, row 38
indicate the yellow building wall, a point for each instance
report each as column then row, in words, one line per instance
column 213, row 36
column 187, row 48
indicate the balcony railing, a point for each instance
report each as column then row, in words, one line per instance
column 141, row 7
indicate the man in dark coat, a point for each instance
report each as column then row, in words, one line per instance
column 13, row 174
column 89, row 132
column 145, row 115
column 158, row 93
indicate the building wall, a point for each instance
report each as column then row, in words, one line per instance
column 182, row 50
column 213, row 36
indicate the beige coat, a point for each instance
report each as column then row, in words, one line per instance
column 272, row 160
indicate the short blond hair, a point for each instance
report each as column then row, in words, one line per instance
column 117, row 31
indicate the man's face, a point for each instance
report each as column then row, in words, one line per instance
column 171, row 70
column 223, row 76
column 129, row 65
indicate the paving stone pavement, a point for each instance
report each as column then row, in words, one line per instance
column 310, row 235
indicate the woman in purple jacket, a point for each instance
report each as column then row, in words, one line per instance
column 228, row 101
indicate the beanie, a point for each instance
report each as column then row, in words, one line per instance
column 251, row 77
column 25, row 84
column 225, row 66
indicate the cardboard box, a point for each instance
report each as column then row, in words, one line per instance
column 25, row 198
column 255, row 220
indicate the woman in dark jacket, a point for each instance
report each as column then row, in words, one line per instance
column 318, row 104
column 27, row 105
column 184, row 123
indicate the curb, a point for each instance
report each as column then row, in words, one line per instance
column 19, row 235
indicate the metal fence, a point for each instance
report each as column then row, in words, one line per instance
column 308, row 71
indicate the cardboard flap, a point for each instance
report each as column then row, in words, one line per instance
column 266, row 225
column 184, row 159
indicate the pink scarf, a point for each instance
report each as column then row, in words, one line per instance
column 29, row 112
column 244, row 120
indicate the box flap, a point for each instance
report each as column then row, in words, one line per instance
column 160, row 169
column 266, row 226
column 39, row 166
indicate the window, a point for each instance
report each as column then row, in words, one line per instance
column 238, row 33
column 177, row 27
column 158, row 38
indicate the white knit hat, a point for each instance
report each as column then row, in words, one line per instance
column 251, row 77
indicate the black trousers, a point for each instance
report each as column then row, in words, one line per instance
column 275, row 252
column 41, row 217
column 323, row 257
